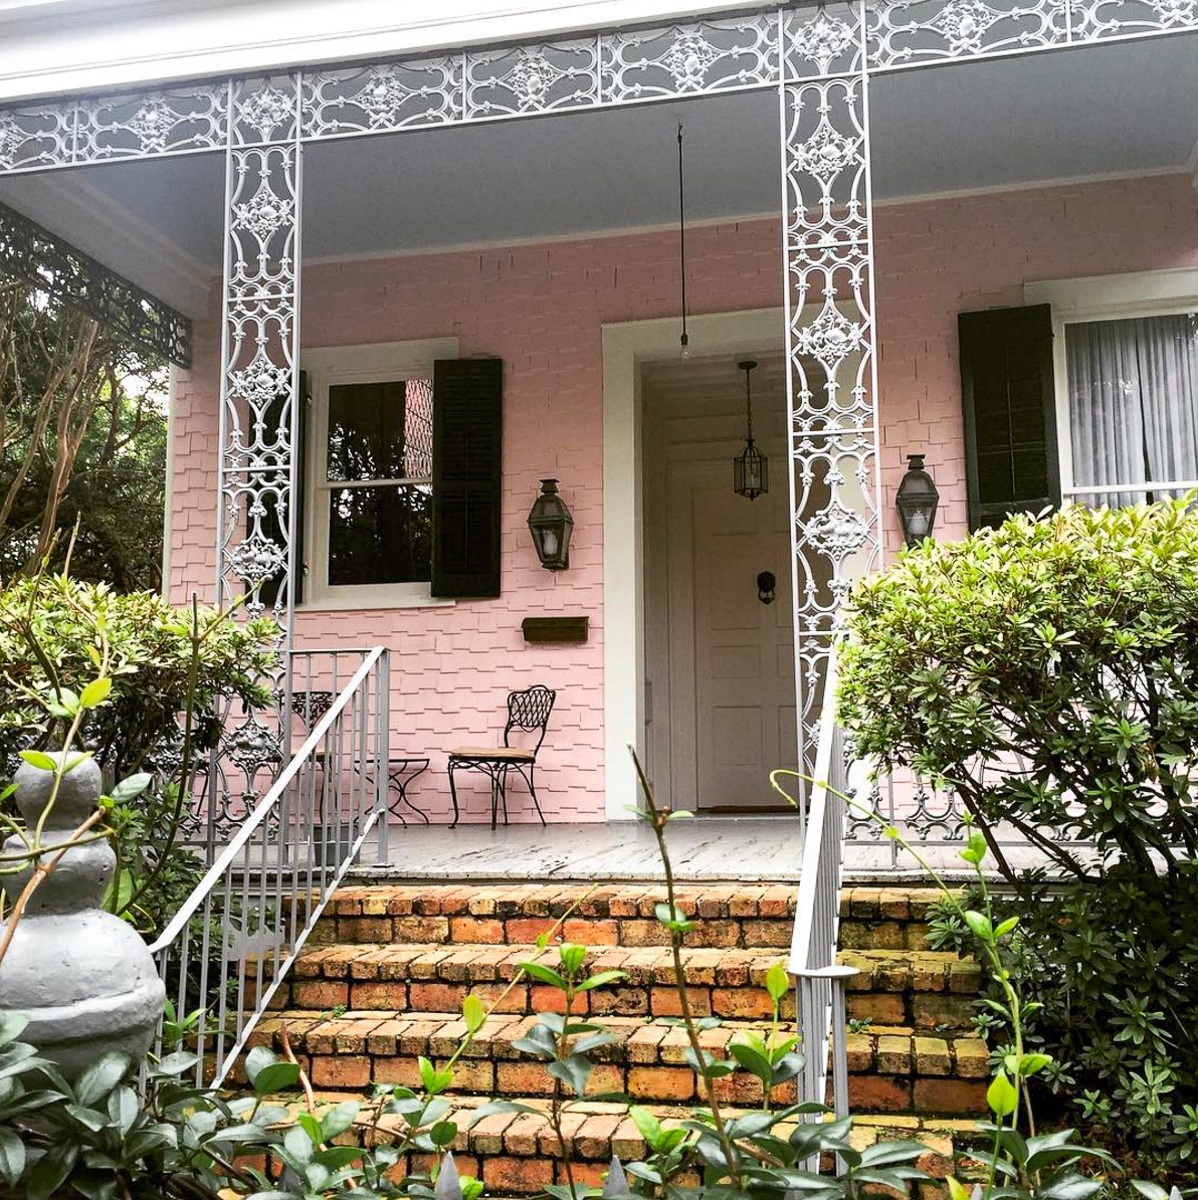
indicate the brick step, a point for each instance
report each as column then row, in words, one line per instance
column 730, row 915
column 892, row 1070
column 925, row 990
column 516, row 1154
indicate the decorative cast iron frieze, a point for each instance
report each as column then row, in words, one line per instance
column 32, row 253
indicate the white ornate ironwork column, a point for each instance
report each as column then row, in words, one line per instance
column 830, row 335
column 259, row 403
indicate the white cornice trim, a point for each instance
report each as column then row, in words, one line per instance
column 100, row 226
column 109, row 46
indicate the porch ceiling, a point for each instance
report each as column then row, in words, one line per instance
column 1093, row 111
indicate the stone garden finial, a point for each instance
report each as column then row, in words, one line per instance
column 84, row 977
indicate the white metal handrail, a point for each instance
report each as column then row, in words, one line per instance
column 819, row 979
column 233, row 941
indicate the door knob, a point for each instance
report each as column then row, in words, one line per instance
column 766, row 583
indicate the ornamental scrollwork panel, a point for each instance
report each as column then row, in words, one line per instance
column 383, row 97
column 519, row 80
column 915, row 32
column 822, row 41
column 690, row 60
column 1095, row 20
column 837, row 527
column 145, row 125
column 37, row 137
column 265, row 110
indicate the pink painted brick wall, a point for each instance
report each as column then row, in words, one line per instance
column 541, row 308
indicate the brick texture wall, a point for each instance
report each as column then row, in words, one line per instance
column 541, row 308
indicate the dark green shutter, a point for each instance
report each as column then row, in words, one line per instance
column 467, row 476
column 272, row 527
column 1010, row 412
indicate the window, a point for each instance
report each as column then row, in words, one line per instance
column 384, row 517
column 377, row 482
column 1087, row 393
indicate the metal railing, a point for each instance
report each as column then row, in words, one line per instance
column 819, row 979
column 230, row 946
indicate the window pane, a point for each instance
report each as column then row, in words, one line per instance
column 379, row 535
column 381, row 430
column 1133, row 405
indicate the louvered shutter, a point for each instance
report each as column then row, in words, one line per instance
column 467, row 476
column 1010, row 419
column 271, row 525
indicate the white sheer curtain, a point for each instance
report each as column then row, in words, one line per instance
column 1133, row 405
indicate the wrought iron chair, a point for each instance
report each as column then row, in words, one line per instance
column 528, row 713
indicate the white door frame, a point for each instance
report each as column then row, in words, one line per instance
column 625, row 346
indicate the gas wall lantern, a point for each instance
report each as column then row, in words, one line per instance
column 551, row 525
column 917, row 499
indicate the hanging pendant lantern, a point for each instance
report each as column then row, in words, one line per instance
column 750, row 468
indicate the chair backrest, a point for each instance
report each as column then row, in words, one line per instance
column 528, row 711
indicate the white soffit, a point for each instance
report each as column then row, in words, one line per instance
column 1085, row 113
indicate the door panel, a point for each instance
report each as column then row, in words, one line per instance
column 740, row 649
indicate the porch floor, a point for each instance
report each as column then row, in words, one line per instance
column 748, row 849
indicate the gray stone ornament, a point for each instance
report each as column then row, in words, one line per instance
column 84, row 977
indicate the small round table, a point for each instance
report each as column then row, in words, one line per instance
column 401, row 772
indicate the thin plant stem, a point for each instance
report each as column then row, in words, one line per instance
column 658, row 818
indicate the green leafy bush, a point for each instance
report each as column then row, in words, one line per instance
column 50, row 629
column 163, row 663
column 1047, row 671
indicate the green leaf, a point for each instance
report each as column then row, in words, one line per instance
column 35, row 758
column 132, row 786
column 543, row 974
column 1001, row 1095
column 777, row 982
column 298, row 1144
column 979, row 925
column 600, row 979
column 101, row 1077
column 443, row 1133
column 1006, row 927
column 95, row 693
column 258, row 1057
column 753, row 1061
column 12, row 1025
column 51, row 1170
column 12, row 1156
column 338, row 1119
column 647, row 1125
column 473, row 1013
column 276, row 1077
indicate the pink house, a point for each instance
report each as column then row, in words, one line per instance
column 370, row 238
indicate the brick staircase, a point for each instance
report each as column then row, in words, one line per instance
column 384, row 983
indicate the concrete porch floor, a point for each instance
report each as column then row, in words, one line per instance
column 749, row 849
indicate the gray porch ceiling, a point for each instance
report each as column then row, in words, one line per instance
column 1078, row 113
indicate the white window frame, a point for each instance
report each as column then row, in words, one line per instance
column 328, row 367
column 1104, row 298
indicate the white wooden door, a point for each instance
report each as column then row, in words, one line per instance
column 741, row 661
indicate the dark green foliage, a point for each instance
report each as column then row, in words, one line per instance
column 163, row 662
column 83, row 420
column 1068, row 645
column 1071, row 641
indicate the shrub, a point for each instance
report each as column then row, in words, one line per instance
column 1047, row 671
column 56, row 635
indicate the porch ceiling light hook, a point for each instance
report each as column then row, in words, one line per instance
column 750, row 468
column 917, row 500
column 551, row 525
